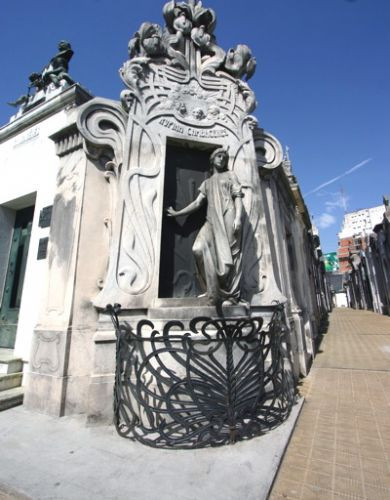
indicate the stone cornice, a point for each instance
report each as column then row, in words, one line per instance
column 72, row 95
column 67, row 140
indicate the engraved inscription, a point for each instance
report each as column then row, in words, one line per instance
column 213, row 133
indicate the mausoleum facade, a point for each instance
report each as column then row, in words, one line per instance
column 171, row 201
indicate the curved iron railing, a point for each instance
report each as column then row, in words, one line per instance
column 224, row 380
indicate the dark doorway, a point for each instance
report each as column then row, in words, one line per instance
column 10, row 305
column 185, row 170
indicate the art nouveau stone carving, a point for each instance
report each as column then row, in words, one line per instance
column 181, row 88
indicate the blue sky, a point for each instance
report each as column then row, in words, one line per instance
column 322, row 82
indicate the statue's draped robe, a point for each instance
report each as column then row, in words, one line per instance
column 217, row 248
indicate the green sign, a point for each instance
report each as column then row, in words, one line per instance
column 331, row 262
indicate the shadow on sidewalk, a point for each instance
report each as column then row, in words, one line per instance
column 322, row 331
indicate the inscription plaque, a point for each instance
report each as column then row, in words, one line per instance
column 42, row 248
column 45, row 216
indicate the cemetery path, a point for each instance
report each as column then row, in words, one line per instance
column 340, row 448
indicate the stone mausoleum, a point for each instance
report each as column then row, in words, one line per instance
column 171, row 201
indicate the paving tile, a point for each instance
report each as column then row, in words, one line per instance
column 377, row 478
column 345, row 485
column 304, row 451
column 326, row 444
column 323, row 454
column 373, row 465
column 287, row 488
column 346, row 440
column 347, row 496
column 296, row 460
column 311, row 492
column 375, row 493
column 369, row 442
column 320, row 466
column 353, row 473
column 351, row 460
column 320, row 480
column 295, row 474
column 370, row 452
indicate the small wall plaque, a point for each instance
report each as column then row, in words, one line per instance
column 45, row 216
column 42, row 248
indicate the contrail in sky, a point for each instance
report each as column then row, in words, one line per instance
column 335, row 179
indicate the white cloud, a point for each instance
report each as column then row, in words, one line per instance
column 325, row 220
column 339, row 200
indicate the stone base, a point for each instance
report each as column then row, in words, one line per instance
column 185, row 313
column 44, row 394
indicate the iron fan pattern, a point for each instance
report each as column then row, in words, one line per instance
column 223, row 381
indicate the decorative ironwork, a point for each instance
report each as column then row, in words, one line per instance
column 223, row 381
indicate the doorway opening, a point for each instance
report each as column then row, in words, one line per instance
column 15, row 265
column 186, row 167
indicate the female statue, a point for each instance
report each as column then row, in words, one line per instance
column 217, row 247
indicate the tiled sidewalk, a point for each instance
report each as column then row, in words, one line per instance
column 340, row 448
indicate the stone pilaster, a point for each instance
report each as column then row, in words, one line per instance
column 47, row 379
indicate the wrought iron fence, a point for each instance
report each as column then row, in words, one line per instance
column 222, row 381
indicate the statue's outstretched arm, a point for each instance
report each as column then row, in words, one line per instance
column 189, row 209
column 237, row 219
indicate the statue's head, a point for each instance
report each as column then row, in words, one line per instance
column 219, row 159
column 64, row 45
column 34, row 77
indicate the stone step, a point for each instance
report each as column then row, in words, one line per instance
column 9, row 363
column 10, row 380
column 11, row 397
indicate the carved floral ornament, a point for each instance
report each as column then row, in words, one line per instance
column 190, row 22
column 186, row 48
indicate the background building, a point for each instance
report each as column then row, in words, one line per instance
column 366, row 257
column 356, row 225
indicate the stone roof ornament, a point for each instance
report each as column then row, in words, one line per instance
column 58, row 66
column 185, row 50
column 55, row 73
column 188, row 42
